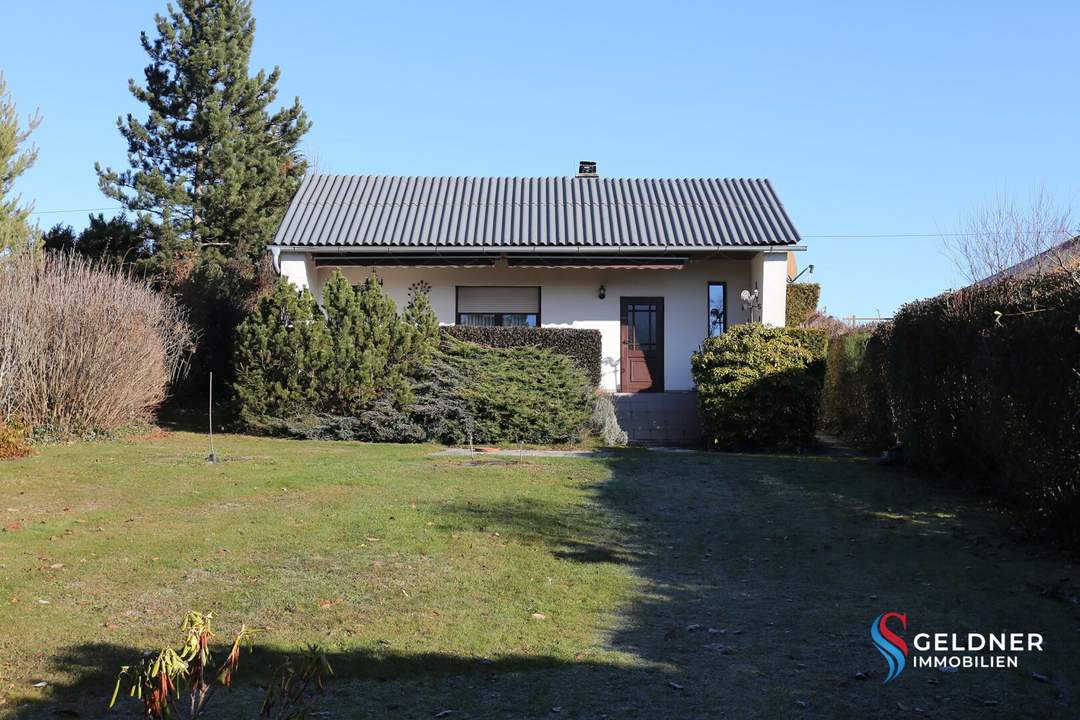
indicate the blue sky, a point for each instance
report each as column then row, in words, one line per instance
column 869, row 118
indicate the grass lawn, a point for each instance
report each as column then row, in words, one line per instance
column 636, row 585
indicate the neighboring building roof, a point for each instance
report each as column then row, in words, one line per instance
column 1063, row 255
column 551, row 213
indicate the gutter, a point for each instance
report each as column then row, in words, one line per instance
column 276, row 250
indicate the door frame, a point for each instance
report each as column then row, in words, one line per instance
column 658, row 382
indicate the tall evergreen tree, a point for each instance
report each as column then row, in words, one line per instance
column 115, row 241
column 212, row 168
column 16, row 232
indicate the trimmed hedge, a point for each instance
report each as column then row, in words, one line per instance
column 854, row 403
column 802, row 301
column 980, row 387
column 759, row 387
column 985, row 385
column 519, row 394
column 582, row 346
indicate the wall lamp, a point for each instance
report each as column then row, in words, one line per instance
column 602, row 292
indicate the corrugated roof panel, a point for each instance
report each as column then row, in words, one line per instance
column 391, row 211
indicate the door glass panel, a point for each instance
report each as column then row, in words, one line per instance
column 641, row 324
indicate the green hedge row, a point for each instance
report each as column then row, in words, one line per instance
column 982, row 387
column 985, row 384
column 855, row 403
column 519, row 394
column 802, row 301
column 582, row 346
column 760, row 387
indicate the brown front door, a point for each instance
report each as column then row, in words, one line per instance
column 642, row 335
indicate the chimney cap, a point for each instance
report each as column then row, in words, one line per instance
column 587, row 169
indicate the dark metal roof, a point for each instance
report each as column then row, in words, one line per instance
column 376, row 211
column 1062, row 256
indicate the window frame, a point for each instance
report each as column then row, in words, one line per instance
column 539, row 305
column 708, row 307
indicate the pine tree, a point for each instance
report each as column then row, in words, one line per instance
column 385, row 341
column 212, row 169
column 423, row 327
column 283, row 351
column 16, row 232
column 370, row 346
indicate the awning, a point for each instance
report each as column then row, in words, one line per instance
column 610, row 263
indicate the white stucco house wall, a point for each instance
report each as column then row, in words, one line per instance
column 653, row 264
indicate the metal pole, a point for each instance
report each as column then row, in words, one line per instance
column 212, row 457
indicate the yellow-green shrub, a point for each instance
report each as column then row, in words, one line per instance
column 759, row 387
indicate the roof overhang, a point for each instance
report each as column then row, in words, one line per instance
column 520, row 256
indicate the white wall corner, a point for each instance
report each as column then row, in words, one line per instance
column 773, row 279
column 299, row 269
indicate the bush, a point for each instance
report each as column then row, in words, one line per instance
column 362, row 372
column 84, row 348
column 355, row 357
column 854, row 399
column 520, row 394
column 583, row 346
column 605, row 423
column 985, row 385
column 802, row 301
column 759, row 387
column 14, row 441
column 468, row 393
column 283, row 350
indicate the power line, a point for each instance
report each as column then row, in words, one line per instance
column 916, row 235
column 78, row 209
column 865, row 236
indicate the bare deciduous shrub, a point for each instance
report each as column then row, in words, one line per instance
column 84, row 348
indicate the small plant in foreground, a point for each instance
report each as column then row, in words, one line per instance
column 160, row 679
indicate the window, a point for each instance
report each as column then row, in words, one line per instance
column 717, row 308
column 507, row 306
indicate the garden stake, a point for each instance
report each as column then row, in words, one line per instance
column 212, row 457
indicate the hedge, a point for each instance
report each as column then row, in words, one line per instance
column 802, row 301
column 985, row 385
column 582, row 346
column 854, row 403
column 519, row 394
column 979, row 387
column 759, row 387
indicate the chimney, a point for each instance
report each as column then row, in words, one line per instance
column 586, row 169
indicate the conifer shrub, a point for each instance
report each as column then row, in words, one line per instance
column 759, row 387
column 579, row 344
column 354, row 356
column 359, row 370
column 519, row 394
column 283, row 352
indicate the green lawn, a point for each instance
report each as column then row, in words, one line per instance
column 677, row 585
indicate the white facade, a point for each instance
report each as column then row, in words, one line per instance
column 570, row 297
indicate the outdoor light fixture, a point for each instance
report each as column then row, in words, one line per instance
column 602, row 293
column 751, row 302
column 807, row 269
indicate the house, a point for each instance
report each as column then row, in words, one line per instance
column 654, row 264
column 1063, row 256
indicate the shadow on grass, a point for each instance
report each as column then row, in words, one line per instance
column 759, row 576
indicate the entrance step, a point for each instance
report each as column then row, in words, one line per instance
column 666, row 418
